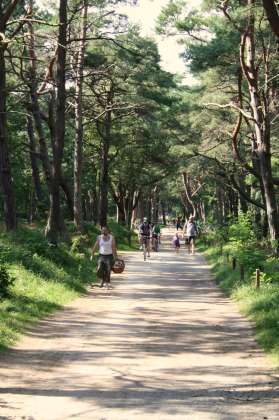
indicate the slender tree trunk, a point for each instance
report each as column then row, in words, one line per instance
column 104, row 176
column 155, row 204
column 136, row 199
column 34, row 159
column 272, row 15
column 149, row 210
column 35, row 108
column 121, row 215
column 261, row 126
column 104, row 184
column 141, row 208
column 163, row 213
column 54, row 225
column 69, row 197
column 93, row 203
column 5, row 166
column 187, row 193
column 129, row 201
column 119, row 199
column 79, row 123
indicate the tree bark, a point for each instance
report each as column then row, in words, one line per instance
column 163, row 213
column 272, row 15
column 54, row 224
column 78, row 220
column 104, row 175
column 69, row 197
column 5, row 166
column 187, row 193
column 261, row 125
column 34, row 159
column 35, row 107
column 104, row 182
column 119, row 199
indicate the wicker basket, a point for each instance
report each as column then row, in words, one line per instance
column 119, row 266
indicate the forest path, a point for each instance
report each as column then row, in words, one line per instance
column 164, row 344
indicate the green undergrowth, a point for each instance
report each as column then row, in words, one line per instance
column 44, row 277
column 261, row 305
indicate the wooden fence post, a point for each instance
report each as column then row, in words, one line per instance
column 233, row 263
column 258, row 278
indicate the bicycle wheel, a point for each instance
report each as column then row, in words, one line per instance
column 156, row 245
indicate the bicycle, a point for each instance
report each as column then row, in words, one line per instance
column 155, row 242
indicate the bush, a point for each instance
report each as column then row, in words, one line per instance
column 6, row 280
column 79, row 243
column 243, row 243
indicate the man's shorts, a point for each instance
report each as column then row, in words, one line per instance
column 189, row 239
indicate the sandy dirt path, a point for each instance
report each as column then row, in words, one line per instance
column 164, row 344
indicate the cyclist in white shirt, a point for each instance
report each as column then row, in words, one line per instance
column 107, row 253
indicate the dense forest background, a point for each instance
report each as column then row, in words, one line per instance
column 92, row 127
column 93, row 130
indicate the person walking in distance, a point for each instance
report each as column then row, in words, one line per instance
column 176, row 242
column 190, row 232
column 107, row 254
column 144, row 235
column 178, row 224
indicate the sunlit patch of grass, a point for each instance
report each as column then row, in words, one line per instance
column 46, row 277
column 31, row 297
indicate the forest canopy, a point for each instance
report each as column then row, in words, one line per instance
column 92, row 127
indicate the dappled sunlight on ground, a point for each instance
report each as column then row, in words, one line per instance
column 163, row 344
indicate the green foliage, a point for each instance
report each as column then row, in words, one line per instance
column 39, row 279
column 243, row 243
column 79, row 242
column 271, row 270
column 6, row 281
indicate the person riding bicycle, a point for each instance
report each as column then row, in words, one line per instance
column 107, row 254
column 156, row 234
column 144, row 234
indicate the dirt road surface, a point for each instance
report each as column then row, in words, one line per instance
column 164, row 344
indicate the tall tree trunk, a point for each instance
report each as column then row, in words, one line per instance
column 54, row 225
column 119, row 199
column 104, row 183
column 188, row 194
column 136, row 199
column 129, row 201
column 272, row 15
column 5, row 166
column 163, row 213
column 261, row 125
column 104, row 175
column 93, row 203
column 34, row 159
column 79, row 122
column 121, row 214
column 35, row 107
column 155, row 204
column 68, row 196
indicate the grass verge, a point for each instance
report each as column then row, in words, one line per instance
column 261, row 306
column 46, row 278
